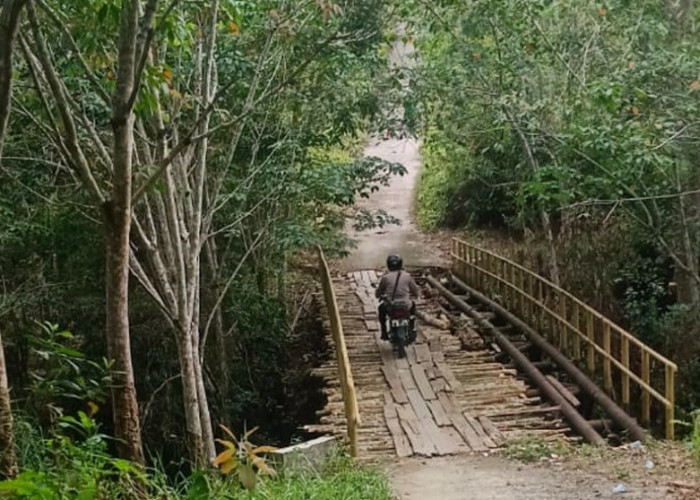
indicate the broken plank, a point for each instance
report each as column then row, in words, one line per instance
column 439, row 385
column 492, row 430
column 438, row 412
column 448, row 375
column 409, row 422
column 465, row 430
column 422, row 382
column 401, row 443
column 429, row 428
column 476, row 425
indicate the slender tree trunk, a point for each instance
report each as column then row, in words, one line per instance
column 221, row 360
column 190, row 396
column 117, row 213
column 9, row 20
column 8, row 459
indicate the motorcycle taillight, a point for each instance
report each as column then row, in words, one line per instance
column 400, row 313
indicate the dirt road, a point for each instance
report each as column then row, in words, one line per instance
column 494, row 478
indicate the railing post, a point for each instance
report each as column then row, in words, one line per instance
column 576, row 321
column 646, row 401
column 670, row 405
column 607, row 373
column 625, row 360
column 563, row 329
column 347, row 385
column 590, row 333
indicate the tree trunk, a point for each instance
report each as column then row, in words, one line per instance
column 9, row 20
column 190, row 396
column 117, row 213
column 9, row 17
column 8, row 459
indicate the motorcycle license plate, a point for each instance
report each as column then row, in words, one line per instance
column 399, row 322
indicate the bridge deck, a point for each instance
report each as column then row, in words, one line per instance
column 448, row 396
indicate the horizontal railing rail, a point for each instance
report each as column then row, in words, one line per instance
column 631, row 372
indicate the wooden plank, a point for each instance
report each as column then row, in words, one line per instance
column 430, row 372
column 410, row 424
column 435, row 344
column 372, row 325
column 373, row 276
column 407, row 379
column 454, row 436
column 422, row 382
column 392, row 377
column 563, row 391
column 439, row 385
column 423, row 353
column 438, row 357
column 429, row 428
column 401, row 442
column 448, row 375
column 492, row 430
column 439, row 414
column 411, row 355
column 476, row 425
column 465, row 430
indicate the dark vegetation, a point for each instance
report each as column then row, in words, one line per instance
column 564, row 134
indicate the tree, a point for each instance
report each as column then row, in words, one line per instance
column 9, row 23
column 114, row 198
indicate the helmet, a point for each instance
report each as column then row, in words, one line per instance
column 394, row 262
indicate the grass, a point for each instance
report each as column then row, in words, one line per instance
column 534, row 449
column 341, row 480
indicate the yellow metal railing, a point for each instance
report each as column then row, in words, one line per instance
column 347, row 385
column 626, row 366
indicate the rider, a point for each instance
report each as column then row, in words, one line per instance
column 395, row 286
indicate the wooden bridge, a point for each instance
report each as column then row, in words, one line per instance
column 468, row 383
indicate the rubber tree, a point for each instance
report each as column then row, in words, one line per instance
column 108, row 178
column 10, row 11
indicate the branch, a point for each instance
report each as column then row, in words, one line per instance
column 230, row 281
column 59, row 94
column 74, row 46
column 631, row 199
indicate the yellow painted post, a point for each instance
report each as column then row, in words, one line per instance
column 540, row 312
column 563, row 330
column 646, row 400
column 607, row 372
column 576, row 321
column 625, row 360
column 671, row 397
column 590, row 333
column 521, row 295
column 347, row 384
column 531, row 292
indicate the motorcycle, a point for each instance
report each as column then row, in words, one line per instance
column 401, row 326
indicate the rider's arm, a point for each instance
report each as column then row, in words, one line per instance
column 381, row 288
column 413, row 288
